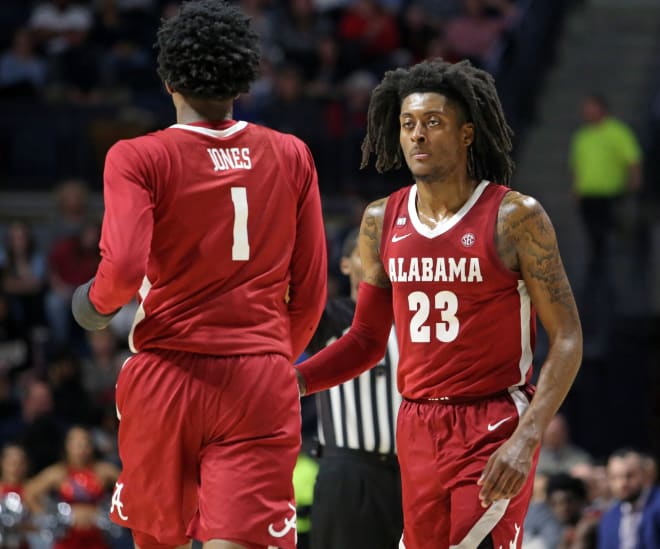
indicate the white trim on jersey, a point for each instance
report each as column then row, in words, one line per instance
column 520, row 400
column 140, row 313
column 483, row 526
column 526, row 354
column 443, row 226
column 240, row 125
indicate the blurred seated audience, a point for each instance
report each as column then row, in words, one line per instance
column 633, row 522
column 34, row 424
column 558, row 454
column 101, row 368
column 14, row 349
column 475, row 33
column 22, row 71
column 71, row 261
column 23, row 270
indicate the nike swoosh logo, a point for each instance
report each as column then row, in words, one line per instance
column 493, row 426
column 396, row 238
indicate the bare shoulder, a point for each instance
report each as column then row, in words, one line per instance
column 519, row 217
column 524, row 229
column 372, row 220
column 371, row 231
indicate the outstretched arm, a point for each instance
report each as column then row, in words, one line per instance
column 527, row 242
column 366, row 341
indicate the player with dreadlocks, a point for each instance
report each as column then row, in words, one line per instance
column 216, row 224
column 462, row 264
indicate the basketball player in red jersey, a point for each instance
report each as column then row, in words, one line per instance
column 463, row 265
column 217, row 224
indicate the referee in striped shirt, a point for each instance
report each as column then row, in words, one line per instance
column 357, row 496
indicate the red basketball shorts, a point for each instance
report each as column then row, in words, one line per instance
column 443, row 450
column 208, row 446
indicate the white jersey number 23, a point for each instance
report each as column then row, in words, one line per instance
column 446, row 303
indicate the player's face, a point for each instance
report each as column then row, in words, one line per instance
column 433, row 137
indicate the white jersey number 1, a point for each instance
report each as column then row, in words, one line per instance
column 240, row 250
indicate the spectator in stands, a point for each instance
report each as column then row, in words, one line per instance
column 328, row 70
column 24, row 274
column 558, row 455
column 594, row 477
column 60, row 24
column 71, row 208
column 22, row 71
column 475, row 33
column 35, row 426
column 417, row 31
column 634, row 520
column 101, row 368
column 72, row 403
column 72, row 261
column 650, row 468
column 13, row 340
column 370, row 33
column 605, row 160
column 562, row 521
column 125, row 31
column 63, row 28
column 290, row 110
column 299, row 27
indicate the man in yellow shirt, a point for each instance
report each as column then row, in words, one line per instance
column 605, row 161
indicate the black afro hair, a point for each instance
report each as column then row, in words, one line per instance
column 208, row 51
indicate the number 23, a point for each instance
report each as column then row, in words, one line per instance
column 446, row 330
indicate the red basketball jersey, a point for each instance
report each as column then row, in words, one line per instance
column 212, row 223
column 465, row 323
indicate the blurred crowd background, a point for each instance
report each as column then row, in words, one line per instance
column 76, row 76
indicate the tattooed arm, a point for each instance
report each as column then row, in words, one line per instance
column 365, row 343
column 526, row 242
column 371, row 231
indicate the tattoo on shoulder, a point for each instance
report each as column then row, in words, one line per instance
column 370, row 235
column 525, row 229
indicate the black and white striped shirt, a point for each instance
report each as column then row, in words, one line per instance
column 359, row 414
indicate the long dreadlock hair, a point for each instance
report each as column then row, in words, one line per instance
column 472, row 89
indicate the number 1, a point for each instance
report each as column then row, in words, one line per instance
column 240, row 250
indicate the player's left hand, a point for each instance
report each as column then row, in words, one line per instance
column 506, row 471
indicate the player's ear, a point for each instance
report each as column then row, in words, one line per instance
column 467, row 131
column 345, row 266
column 169, row 88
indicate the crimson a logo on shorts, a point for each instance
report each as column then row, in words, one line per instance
column 468, row 240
